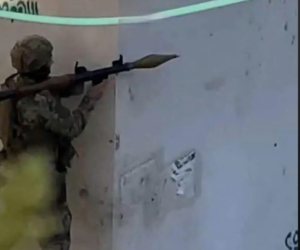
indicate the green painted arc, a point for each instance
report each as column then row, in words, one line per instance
column 105, row 21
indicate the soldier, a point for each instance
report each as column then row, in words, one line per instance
column 41, row 122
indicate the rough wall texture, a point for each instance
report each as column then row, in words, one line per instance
column 232, row 96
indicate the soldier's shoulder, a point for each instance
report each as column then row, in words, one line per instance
column 42, row 99
column 16, row 81
column 32, row 108
column 45, row 97
column 10, row 82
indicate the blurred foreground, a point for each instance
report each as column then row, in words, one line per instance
column 26, row 194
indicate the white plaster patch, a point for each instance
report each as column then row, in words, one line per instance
column 183, row 174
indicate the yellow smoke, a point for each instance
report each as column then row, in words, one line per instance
column 25, row 198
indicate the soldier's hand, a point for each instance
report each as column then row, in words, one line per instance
column 97, row 92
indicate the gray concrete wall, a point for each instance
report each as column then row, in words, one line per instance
column 232, row 96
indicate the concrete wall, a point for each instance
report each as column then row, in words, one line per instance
column 232, row 96
column 91, row 179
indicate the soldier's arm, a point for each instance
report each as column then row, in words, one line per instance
column 46, row 110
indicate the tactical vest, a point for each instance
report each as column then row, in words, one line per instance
column 17, row 138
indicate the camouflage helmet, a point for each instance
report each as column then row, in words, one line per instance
column 31, row 53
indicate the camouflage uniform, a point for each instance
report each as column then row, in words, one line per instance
column 42, row 122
